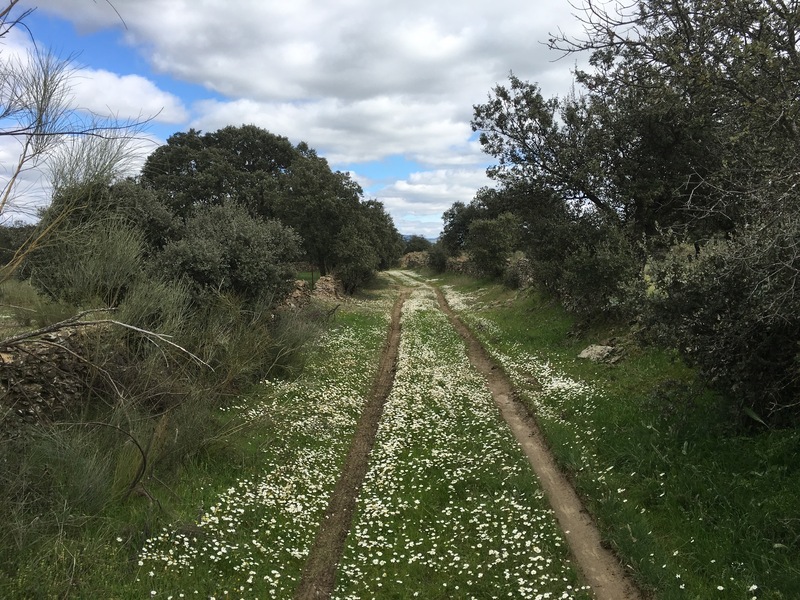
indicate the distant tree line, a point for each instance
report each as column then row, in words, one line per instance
column 225, row 212
column 665, row 192
column 417, row 243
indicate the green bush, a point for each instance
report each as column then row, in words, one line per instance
column 595, row 270
column 157, row 306
column 490, row 242
column 225, row 250
column 18, row 300
column 417, row 243
column 740, row 327
column 52, row 481
column 357, row 260
column 88, row 265
column 242, row 341
column 437, row 258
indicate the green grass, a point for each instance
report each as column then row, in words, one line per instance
column 257, row 531
column 275, row 449
column 685, row 496
column 23, row 308
column 697, row 505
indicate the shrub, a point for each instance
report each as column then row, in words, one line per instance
column 225, row 250
column 156, row 305
column 437, row 258
column 490, row 242
column 89, row 264
column 357, row 260
column 243, row 341
column 19, row 300
column 417, row 243
column 738, row 326
column 595, row 270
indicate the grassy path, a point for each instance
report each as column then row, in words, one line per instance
column 599, row 566
column 251, row 539
column 698, row 505
column 449, row 507
column 320, row 568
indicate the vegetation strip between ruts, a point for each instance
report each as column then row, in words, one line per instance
column 600, row 567
column 319, row 573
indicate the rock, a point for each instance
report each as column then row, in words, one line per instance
column 328, row 287
column 414, row 260
column 299, row 296
column 597, row 353
column 42, row 382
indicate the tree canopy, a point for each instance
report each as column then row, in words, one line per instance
column 682, row 133
column 245, row 164
column 270, row 179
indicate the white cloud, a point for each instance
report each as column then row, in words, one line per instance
column 31, row 190
column 359, row 80
column 425, row 195
column 347, row 132
column 362, row 180
column 125, row 97
column 101, row 92
column 270, row 50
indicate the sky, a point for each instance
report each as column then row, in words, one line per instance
column 383, row 89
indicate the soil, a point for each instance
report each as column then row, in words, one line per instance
column 601, row 570
column 319, row 574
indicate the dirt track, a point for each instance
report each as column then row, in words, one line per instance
column 319, row 573
column 598, row 566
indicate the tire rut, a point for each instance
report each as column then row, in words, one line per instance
column 599, row 567
column 319, row 573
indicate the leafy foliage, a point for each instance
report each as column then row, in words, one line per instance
column 224, row 250
column 386, row 240
column 273, row 180
column 684, row 131
column 741, row 332
column 246, row 163
column 490, row 242
column 417, row 243
column 91, row 265
column 437, row 257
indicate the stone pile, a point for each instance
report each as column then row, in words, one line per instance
column 40, row 380
column 328, row 288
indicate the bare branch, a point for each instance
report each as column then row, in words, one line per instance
column 158, row 336
column 124, row 24
column 75, row 321
column 7, row 9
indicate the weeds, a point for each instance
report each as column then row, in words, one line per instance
column 252, row 536
column 142, row 411
column 696, row 508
